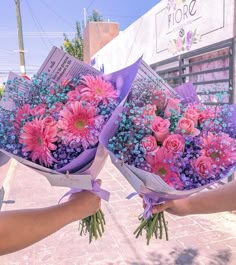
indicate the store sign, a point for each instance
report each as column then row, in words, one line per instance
column 178, row 14
column 185, row 25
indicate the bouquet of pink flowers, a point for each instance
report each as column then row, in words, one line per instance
column 54, row 127
column 168, row 145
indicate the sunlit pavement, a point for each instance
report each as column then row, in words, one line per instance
column 197, row 240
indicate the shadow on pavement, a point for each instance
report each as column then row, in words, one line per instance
column 186, row 256
column 2, row 192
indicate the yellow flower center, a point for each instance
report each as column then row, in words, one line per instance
column 98, row 91
column 162, row 172
column 40, row 141
column 80, row 124
column 215, row 155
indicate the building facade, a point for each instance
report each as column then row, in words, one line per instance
column 183, row 40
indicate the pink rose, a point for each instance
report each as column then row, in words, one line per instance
column 173, row 107
column 38, row 110
column 74, row 95
column 192, row 114
column 149, row 143
column 159, row 99
column 48, row 121
column 56, row 107
column 174, row 143
column 160, row 127
column 149, row 110
column 203, row 166
column 186, row 126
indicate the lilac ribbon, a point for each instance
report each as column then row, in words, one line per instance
column 148, row 208
column 96, row 189
column 149, row 203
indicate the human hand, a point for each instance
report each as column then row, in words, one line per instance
column 84, row 203
column 177, row 207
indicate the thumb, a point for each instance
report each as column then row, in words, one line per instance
column 99, row 182
column 160, row 207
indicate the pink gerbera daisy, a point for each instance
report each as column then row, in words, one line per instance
column 220, row 148
column 97, row 90
column 75, row 94
column 38, row 139
column 164, row 167
column 22, row 114
column 80, row 122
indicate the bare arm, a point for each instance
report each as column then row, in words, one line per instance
column 218, row 200
column 21, row 228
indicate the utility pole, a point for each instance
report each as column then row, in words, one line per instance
column 85, row 17
column 20, row 38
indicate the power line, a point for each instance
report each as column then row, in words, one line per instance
column 36, row 22
column 55, row 13
column 122, row 16
column 90, row 4
column 38, row 33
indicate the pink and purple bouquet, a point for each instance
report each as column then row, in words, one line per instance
column 54, row 128
column 168, row 145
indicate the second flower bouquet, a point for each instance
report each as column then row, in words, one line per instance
column 169, row 145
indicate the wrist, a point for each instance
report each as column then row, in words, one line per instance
column 70, row 211
column 184, row 206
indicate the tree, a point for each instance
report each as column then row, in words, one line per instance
column 95, row 16
column 75, row 46
column 1, row 90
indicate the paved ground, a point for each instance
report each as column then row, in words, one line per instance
column 197, row 240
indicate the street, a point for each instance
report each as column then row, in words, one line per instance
column 198, row 240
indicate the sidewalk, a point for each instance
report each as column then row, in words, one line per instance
column 195, row 240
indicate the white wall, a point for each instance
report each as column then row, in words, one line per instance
column 155, row 35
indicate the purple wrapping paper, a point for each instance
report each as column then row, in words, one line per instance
column 188, row 93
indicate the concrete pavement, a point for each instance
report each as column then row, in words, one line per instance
column 194, row 240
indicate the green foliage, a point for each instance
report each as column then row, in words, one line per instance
column 1, row 90
column 95, row 16
column 75, row 46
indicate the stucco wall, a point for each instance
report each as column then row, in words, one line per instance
column 149, row 34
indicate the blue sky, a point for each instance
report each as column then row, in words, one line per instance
column 44, row 22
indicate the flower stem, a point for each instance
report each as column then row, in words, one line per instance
column 93, row 225
column 152, row 225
